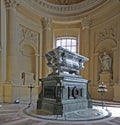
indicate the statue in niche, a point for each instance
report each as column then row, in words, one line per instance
column 106, row 62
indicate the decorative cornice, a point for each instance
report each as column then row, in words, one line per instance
column 11, row 3
column 28, row 37
column 66, row 9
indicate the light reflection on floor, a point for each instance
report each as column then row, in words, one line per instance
column 11, row 114
column 115, row 111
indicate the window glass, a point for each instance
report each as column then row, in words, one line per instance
column 58, row 43
column 69, row 43
column 73, row 42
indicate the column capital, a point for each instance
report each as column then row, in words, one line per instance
column 11, row 3
column 46, row 22
column 86, row 22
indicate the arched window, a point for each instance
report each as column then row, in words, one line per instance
column 69, row 43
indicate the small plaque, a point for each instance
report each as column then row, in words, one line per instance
column 49, row 92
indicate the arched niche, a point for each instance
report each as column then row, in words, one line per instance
column 28, row 47
column 109, row 46
column 28, row 50
column 29, row 53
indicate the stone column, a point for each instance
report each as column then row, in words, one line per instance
column 2, row 47
column 12, row 30
column 85, row 40
column 47, row 43
column 11, row 38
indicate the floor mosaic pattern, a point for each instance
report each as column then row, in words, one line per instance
column 13, row 114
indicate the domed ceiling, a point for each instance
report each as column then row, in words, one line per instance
column 63, row 9
column 64, row 2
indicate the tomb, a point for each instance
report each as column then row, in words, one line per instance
column 64, row 90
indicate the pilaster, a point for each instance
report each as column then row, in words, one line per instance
column 11, row 15
column 95, row 67
column 115, row 66
column 11, row 40
column 2, row 47
column 85, row 23
column 47, row 42
column 36, row 78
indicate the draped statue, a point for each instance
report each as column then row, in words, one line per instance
column 106, row 62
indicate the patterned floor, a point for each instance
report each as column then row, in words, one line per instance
column 12, row 114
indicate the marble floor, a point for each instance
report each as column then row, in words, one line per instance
column 13, row 114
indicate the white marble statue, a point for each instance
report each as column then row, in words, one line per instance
column 106, row 62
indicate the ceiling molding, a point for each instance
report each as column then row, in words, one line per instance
column 42, row 8
column 64, row 2
column 66, row 10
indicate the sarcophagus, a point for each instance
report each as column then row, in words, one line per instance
column 61, row 60
column 63, row 90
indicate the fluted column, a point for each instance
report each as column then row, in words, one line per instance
column 85, row 41
column 47, row 43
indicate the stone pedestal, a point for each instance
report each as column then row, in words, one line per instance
column 63, row 93
column 64, row 90
column 106, row 77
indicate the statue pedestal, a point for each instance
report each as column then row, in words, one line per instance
column 106, row 77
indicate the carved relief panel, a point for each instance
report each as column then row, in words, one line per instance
column 28, row 37
column 28, row 46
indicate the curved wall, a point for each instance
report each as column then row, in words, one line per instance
column 31, row 32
